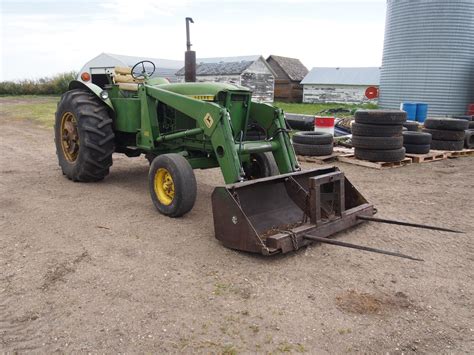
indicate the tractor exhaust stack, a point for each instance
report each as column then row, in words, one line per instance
column 189, row 56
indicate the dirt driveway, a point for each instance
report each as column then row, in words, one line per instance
column 94, row 268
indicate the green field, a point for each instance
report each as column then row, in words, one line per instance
column 41, row 109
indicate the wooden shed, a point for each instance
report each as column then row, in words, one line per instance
column 252, row 72
column 289, row 73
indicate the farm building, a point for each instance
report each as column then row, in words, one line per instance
column 289, row 73
column 339, row 84
column 252, row 72
column 104, row 63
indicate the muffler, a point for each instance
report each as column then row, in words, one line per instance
column 272, row 215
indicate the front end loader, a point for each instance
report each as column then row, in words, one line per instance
column 268, row 204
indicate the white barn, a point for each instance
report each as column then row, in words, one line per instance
column 252, row 72
column 339, row 85
column 105, row 63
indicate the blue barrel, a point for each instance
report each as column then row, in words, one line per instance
column 410, row 109
column 421, row 111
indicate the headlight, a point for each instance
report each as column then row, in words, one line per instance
column 104, row 95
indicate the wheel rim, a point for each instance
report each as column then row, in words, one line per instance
column 69, row 137
column 164, row 186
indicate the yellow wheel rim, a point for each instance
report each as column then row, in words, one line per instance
column 164, row 186
column 69, row 136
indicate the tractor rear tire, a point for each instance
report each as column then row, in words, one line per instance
column 261, row 165
column 84, row 136
column 172, row 185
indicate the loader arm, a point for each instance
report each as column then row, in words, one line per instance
column 211, row 119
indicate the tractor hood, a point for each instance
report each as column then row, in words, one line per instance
column 204, row 89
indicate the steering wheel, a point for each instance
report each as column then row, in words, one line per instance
column 140, row 71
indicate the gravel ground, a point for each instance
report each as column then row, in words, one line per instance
column 94, row 268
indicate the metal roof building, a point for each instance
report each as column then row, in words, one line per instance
column 105, row 62
column 429, row 55
column 343, row 76
column 341, row 85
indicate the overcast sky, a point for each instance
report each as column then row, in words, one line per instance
column 45, row 37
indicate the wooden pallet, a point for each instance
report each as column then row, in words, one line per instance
column 432, row 155
column 351, row 159
column 460, row 153
column 320, row 159
column 323, row 159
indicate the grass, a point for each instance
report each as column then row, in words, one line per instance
column 312, row 109
column 40, row 109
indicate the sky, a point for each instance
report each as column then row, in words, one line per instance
column 45, row 37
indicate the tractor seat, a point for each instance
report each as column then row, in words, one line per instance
column 123, row 78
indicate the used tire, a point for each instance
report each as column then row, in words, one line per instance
column 172, row 185
column 379, row 143
column 445, row 135
column 411, row 125
column 300, row 122
column 84, row 136
column 451, row 124
column 417, row 148
column 371, row 130
column 447, row 145
column 380, row 117
column 416, row 138
column 469, row 139
column 316, row 138
column 260, row 165
column 464, row 117
column 313, row 149
column 380, row 155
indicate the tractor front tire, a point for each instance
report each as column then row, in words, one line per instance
column 172, row 185
column 260, row 165
column 84, row 136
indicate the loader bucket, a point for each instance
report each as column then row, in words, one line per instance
column 271, row 215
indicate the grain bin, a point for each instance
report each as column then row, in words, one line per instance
column 429, row 55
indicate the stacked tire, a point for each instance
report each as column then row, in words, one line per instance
column 416, row 142
column 313, row 143
column 377, row 135
column 469, row 133
column 447, row 133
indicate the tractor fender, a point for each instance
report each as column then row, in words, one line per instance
column 96, row 90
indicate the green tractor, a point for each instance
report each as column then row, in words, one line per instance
column 178, row 127
column 184, row 126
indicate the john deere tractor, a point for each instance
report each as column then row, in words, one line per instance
column 178, row 127
column 267, row 206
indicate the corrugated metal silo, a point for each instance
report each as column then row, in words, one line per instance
column 429, row 55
